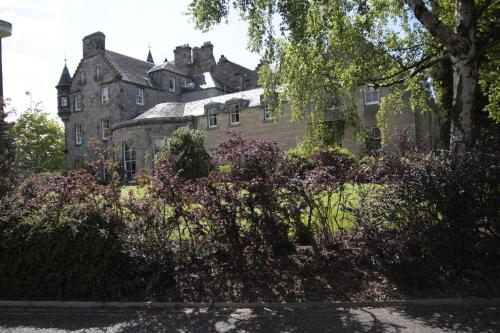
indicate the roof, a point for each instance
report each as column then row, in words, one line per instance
column 131, row 69
column 197, row 108
column 150, row 58
column 170, row 109
column 65, row 79
column 168, row 66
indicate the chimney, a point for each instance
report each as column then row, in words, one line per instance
column 182, row 57
column 205, row 58
column 93, row 43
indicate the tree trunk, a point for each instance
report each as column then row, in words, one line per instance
column 464, row 92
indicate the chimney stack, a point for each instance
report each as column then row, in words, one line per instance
column 93, row 43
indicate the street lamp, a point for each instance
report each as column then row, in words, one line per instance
column 5, row 31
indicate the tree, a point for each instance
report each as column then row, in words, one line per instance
column 39, row 142
column 334, row 47
column 6, row 151
column 187, row 148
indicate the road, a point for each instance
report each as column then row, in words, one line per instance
column 415, row 318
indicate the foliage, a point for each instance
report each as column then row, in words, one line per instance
column 403, row 216
column 39, row 142
column 337, row 48
column 435, row 216
column 7, row 152
column 193, row 160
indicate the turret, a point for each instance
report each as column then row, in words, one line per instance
column 150, row 57
column 63, row 88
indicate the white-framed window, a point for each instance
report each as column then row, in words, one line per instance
column 212, row 117
column 78, row 134
column 183, row 82
column 234, row 114
column 129, row 163
column 105, row 95
column 64, row 101
column 139, row 97
column 171, row 83
column 105, row 126
column 371, row 97
column 98, row 72
column 333, row 112
column 78, row 102
column 268, row 115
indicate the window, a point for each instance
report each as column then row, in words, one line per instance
column 82, row 77
column 234, row 114
column 77, row 163
column 333, row 113
column 64, row 101
column 98, row 72
column 139, row 97
column 105, row 95
column 129, row 159
column 375, row 138
column 183, row 82
column 78, row 134
column 268, row 115
column 212, row 117
column 371, row 97
column 376, row 134
column 78, row 102
column 105, row 126
column 171, row 83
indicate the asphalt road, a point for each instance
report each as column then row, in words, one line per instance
column 474, row 318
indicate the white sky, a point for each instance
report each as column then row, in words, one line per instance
column 44, row 32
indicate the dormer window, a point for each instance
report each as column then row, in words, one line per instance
column 371, row 97
column 234, row 114
column 268, row 115
column 212, row 117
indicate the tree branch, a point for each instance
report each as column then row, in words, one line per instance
column 455, row 43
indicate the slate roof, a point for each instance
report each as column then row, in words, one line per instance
column 197, row 108
column 65, row 79
column 169, row 66
column 131, row 69
column 170, row 109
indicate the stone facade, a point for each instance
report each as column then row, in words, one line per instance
column 136, row 104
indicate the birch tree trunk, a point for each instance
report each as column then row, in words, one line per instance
column 461, row 45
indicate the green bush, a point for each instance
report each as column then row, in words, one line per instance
column 187, row 146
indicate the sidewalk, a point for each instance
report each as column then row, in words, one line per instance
column 459, row 315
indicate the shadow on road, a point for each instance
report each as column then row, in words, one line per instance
column 362, row 319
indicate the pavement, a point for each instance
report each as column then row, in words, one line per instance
column 383, row 317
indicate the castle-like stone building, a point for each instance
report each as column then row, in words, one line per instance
column 136, row 104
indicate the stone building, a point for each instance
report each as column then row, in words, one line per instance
column 136, row 104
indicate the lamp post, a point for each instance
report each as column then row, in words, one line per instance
column 5, row 31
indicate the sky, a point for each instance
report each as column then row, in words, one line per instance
column 45, row 32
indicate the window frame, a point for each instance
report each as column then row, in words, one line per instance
column 267, row 113
column 139, row 96
column 129, row 160
column 104, row 133
column 370, row 92
column 171, row 79
column 78, row 134
column 78, row 103
column 184, row 82
column 234, row 110
column 64, row 101
column 98, row 71
column 103, row 100
column 212, row 117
